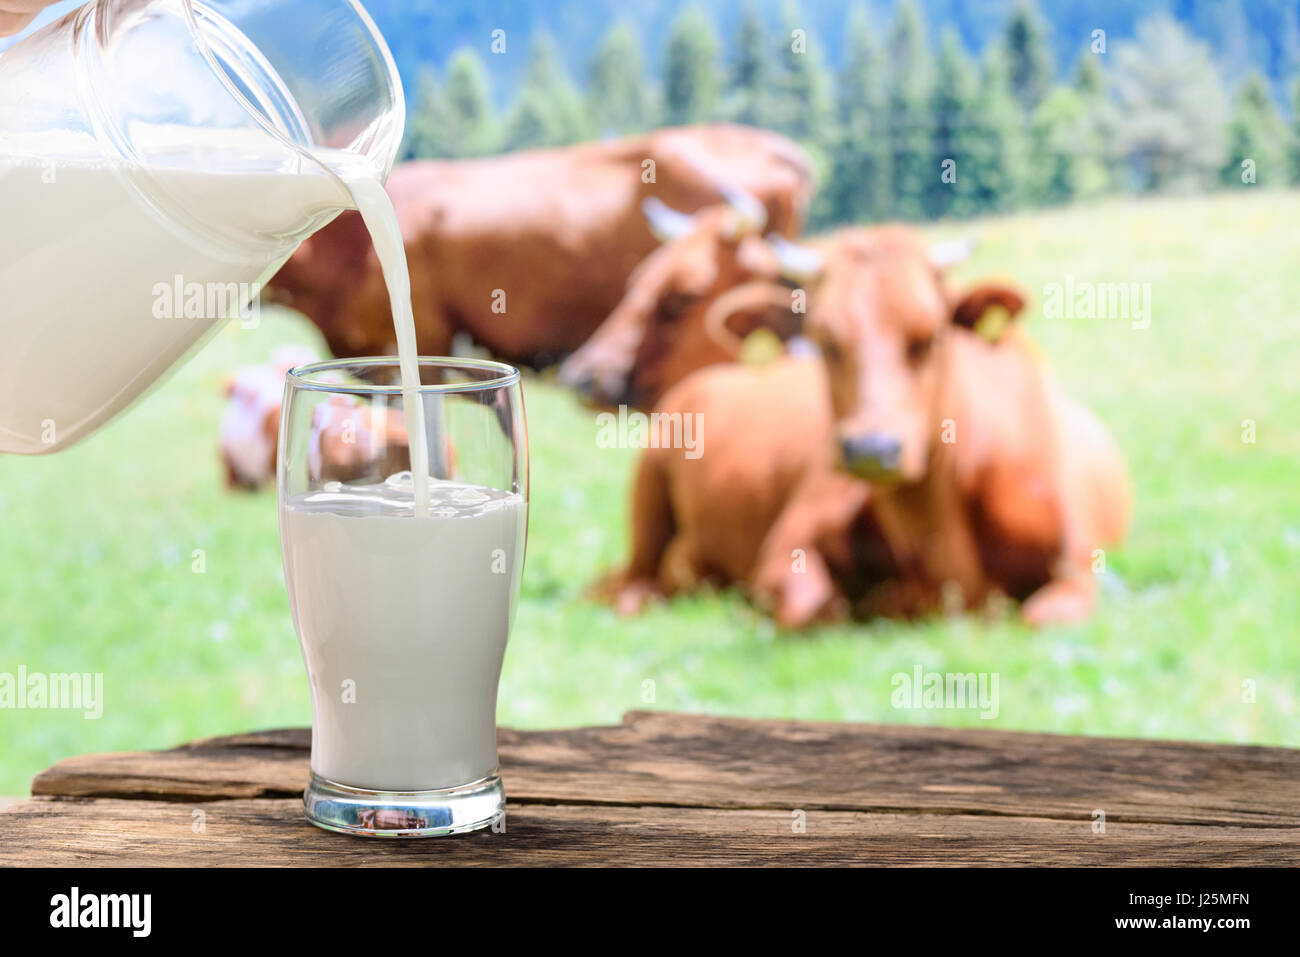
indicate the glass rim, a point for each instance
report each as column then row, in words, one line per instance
column 505, row 375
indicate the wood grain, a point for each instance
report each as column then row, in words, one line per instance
column 273, row 832
column 675, row 760
column 673, row 789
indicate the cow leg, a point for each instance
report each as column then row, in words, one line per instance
column 791, row 577
column 652, row 531
column 1061, row 601
column 1095, row 492
column 796, row 597
column 1071, row 593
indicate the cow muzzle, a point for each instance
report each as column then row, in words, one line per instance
column 593, row 387
column 876, row 455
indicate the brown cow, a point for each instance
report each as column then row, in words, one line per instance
column 250, row 425
column 529, row 252
column 352, row 442
column 349, row 441
column 657, row 335
column 917, row 466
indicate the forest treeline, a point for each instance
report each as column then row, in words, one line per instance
column 911, row 126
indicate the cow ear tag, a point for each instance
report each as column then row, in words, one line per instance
column 761, row 347
column 993, row 323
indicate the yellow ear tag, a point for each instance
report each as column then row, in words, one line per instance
column 761, row 347
column 993, row 323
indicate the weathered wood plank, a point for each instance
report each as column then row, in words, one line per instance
column 184, row 774
column 264, row 832
column 291, row 738
column 658, row 758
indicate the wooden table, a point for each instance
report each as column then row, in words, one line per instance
column 676, row 789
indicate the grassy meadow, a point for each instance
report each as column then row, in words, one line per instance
column 1198, row 634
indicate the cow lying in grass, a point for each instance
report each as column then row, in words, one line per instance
column 350, row 441
column 916, row 466
column 250, row 424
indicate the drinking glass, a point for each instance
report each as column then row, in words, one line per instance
column 402, row 611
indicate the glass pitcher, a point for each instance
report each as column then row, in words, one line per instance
column 159, row 160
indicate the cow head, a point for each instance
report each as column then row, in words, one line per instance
column 883, row 319
column 657, row 334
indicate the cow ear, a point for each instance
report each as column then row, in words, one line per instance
column 987, row 308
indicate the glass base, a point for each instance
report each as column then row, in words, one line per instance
column 349, row 810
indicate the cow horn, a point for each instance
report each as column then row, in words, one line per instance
column 753, row 214
column 797, row 262
column 952, row 252
column 665, row 222
column 755, row 294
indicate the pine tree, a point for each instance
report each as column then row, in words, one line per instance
column 1067, row 155
column 861, row 188
column 1100, row 163
column 752, row 72
column 1256, row 137
column 997, row 140
column 471, row 122
column 804, row 110
column 909, row 110
column 1294, row 140
column 1167, row 108
column 548, row 111
column 426, row 127
column 456, row 119
column 691, row 69
column 1029, row 59
column 617, row 99
column 1089, row 80
column 952, row 106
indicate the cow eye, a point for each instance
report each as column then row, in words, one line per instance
column 918, row 349
column 675, row 304
column 831, row 351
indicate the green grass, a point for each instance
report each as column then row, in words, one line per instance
column 95, row 553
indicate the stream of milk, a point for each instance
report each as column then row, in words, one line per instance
column 386, row 235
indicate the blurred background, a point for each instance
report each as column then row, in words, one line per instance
column 1105, row 141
